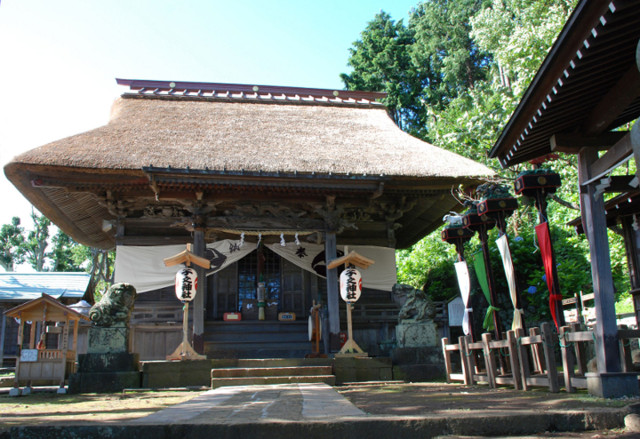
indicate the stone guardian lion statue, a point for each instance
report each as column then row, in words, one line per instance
column 417, row 305
column 114, row 309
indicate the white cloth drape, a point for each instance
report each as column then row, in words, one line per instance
column 462, row 271
column 503, row 246
column 143, row 266
column 379, row 276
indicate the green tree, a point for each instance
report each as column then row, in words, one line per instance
column 67, row 255
column 451, row 60
column 381, row 61
column 36, row 244
column 11, row 244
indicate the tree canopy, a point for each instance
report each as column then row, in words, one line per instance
column 473, row 61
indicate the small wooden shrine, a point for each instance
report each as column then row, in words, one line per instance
column 47, row 357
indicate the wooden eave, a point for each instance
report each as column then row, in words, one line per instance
column 33, row 310
column 80, row 201
column 587, row 85
column 626, row 204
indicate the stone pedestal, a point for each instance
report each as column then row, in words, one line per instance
column 412, row 334
column 107, row 366
column 108, row 340
column 612, row 385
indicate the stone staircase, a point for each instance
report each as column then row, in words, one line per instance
column 244, row 372
column 257, row 339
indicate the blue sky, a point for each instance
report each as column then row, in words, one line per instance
column 59, row 58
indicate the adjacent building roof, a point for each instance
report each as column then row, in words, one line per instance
column 20, row 287
column 47, row 306
column 166, row 136
column 588, row 84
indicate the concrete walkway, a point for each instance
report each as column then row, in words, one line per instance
column 251, row 404
column 310, row 411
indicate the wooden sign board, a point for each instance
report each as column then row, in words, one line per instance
column 29, row 355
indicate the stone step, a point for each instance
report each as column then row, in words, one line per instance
column 270, row 371
column 269, row 362
column 248, row 381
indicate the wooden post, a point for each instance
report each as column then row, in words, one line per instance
column 76, row 323
column 513, row 359
column 199, row 249
column 32, row 335
column 549, row 357
column 333, row 295
column 482, row 234
column 2, row 333
column 489, row 359
column 595, row 226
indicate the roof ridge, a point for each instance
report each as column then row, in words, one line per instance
column 257, row 93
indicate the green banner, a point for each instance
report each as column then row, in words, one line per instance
column 481, row 273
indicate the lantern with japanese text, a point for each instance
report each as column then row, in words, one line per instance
column 186, row 284
column 350, row 285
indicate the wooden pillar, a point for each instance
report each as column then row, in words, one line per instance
column 3, row 327
column 333, row 295
column 199, row 248
column 595, row 226
column 32, row 335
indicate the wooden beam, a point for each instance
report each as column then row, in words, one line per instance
column 264, row 223
column 154, row 240
column 620, row 183
column 572, row 143
column 614, row 157
column 617, row 100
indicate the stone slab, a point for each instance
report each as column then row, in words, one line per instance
column 103, row 382
column 417, row 334
column 108, row 362
column 103, row 340
column 612, row 385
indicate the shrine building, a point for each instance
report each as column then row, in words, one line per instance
column 268, row 183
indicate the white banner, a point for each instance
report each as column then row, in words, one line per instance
column 379, row 276
column 503, row 246
column 143, row 266
column 464, row 283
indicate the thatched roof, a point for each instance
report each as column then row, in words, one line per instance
column 271, row 134
column 252, row 137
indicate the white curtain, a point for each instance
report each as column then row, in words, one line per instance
column 143, row 266
column 462, row 271
column 379, row 276
column 503, row 246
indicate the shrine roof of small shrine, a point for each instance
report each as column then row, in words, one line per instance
column 587, row 85
column 55, row 311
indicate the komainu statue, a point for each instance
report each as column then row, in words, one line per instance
column 417, row 305
column 114, row 309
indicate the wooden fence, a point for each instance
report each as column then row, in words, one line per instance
column 525, row 361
